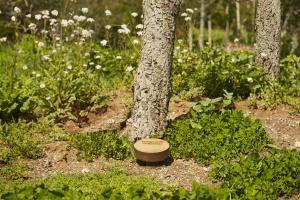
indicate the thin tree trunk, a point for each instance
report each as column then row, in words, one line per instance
column 238, row 19
column 268, row 29
column 190, row 34
column 202, row 23
column 152, row 84
column 254, row 14
column 294, row 43
column 209, row 31
column 227, row 28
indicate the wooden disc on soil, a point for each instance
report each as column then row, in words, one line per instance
column 151, row 150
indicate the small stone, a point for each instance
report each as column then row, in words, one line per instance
column 85, row 170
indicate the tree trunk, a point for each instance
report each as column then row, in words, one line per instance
column 268, row 36
column 202, row 23
column 238, row 19
column 227, row 27
column 254, row 14
column 190, row 34
column 294, row 43
column 152, row 86
column 209, row 31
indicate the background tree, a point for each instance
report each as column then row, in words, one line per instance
column 268, row 29
column 152, row 86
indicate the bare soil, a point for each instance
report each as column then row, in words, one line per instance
column 281, row 124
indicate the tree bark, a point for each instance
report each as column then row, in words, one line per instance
column 238, row 19
column 209, row 31
column 227, row 27
column 190, row 34
column 268, row 29
column 152, row 86
column 202, row 24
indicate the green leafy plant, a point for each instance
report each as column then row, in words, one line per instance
column 105, row 143
column 211, row 136
column 257, row 176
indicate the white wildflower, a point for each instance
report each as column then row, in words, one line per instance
column 139, row 26
column 45, row 58
column 90, row 20
column 84, row 10
column 135, row 41
column 187, row 19
column 45, row 12
column 236, row 40
column 134, row 14
column 108, row 13
column 28, row 16
column 38, row 75
column 184, row 15
column 121, row 30
column 250, row 80
column 75, row 17
column 123, row 26
column 54, row 12
column 97, row 57
column 81, row 18
column 103, row 42
column 32, row 26
column 45, row 32
column 24, row 67
column 52, row 22
column 41, row 44
column 38, row 17
column 17, row 10
column 69, row 67
column 71, row 22
column 129, row 68
column 48, row 98
column 98, row 67
column 189, row 10
column 107, row 27
column 119, row 57
column 64, row 22
column 179, row 60
column 91, row 63
column 42, row 85
column 13, row 18
column 3, row 39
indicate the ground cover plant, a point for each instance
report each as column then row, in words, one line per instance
column 113, row 185
column 215, row 134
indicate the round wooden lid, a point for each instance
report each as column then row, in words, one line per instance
column 151, row 145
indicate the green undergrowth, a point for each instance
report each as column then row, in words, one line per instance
column 261, row 176
column 113, row 185
column 24, row 140
column 105, row 143
column 211, row 135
